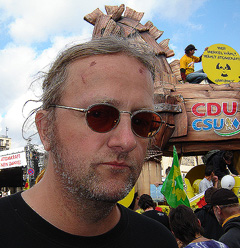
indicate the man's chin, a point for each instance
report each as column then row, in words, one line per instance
column 112, row 196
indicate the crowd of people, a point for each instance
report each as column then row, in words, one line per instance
column 215, row 225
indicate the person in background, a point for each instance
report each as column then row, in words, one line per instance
column 187, row 66
column 95, row 122
column 227, row 211
column 220, row 161
column 208, row 180
column 187, row 229
column 134, row 204
column 147, row 204
column 212, row 229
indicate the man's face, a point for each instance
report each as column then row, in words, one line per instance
column 228, row 162
column 191, row 52
column 101, row 166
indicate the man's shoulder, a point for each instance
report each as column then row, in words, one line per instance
column 231, row 237
column 183, row 57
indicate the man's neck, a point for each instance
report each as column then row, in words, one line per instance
column 85, row 218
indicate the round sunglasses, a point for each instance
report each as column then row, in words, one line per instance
column 104, row 117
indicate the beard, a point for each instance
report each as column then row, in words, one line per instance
column 83, row 178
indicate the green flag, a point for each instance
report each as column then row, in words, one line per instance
column 172, row 187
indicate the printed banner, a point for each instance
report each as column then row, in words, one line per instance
column 13, row 160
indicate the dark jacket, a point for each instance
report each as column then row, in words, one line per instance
column 231, row 236
column 212, row 229
column 220, row 166
column 158, row 216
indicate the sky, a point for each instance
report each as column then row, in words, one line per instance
column 33, row 32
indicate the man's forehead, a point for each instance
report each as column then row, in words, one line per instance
column 101, row 66
column 101, row 60
column 104, row 75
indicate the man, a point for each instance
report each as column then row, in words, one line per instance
column 95, row 122
column 212, row 229
column 208, row 180
column 187, row 66
column 227, row 211
column 147, row 204
column 220, row 160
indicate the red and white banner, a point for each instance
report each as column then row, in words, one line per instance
column 13, row 158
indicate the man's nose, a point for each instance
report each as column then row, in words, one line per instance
column 122, row 138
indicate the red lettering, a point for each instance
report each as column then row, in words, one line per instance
column 211, row 111
column 194, row 109
column 234, row 108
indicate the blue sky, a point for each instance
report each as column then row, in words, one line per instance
column 32, row 33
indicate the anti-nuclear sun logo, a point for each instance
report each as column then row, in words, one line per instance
column 224, row 69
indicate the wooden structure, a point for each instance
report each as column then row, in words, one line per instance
column 198, row 118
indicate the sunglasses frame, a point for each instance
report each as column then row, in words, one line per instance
column 119, row 117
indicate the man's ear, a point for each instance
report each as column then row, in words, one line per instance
column 199, row 222
column 217, row 209
column 42, row 127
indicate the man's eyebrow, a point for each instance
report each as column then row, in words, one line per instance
column 113, row 102
column 117, row 104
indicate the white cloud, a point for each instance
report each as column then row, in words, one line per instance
column 15, row 69
column 18, row 67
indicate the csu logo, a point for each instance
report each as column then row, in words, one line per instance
column 217, row 117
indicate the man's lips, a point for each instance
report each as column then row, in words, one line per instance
column 116, row 164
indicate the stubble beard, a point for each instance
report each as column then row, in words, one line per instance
column 80, row 179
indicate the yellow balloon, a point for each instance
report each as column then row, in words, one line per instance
column 126, row 202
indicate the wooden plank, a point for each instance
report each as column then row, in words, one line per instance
column 115, row 11
column 164, row 44
column 167, row 134
column 100, row 25
column 151, row 41
column 148, row 24
column 181, row 123
column 169, row 53
column 132, row 23
column 164, row 107
column 126, row 30
column 206, row 137
column 130, row 13
column 190, row 148
column 92, row 17
column 111, row 25
column 155, row 33
column 224, row 87
column 191, row 94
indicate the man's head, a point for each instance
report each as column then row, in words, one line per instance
column 87, row 86
column 209, row 171
column 225, row 203
column 228, row 156
column 184, row 224
column 190, row 49
column 146, row 202
column 208, row 194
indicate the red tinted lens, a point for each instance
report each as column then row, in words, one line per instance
column 146, row 124
column 102, row 118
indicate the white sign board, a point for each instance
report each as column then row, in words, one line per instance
column 13, row 158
